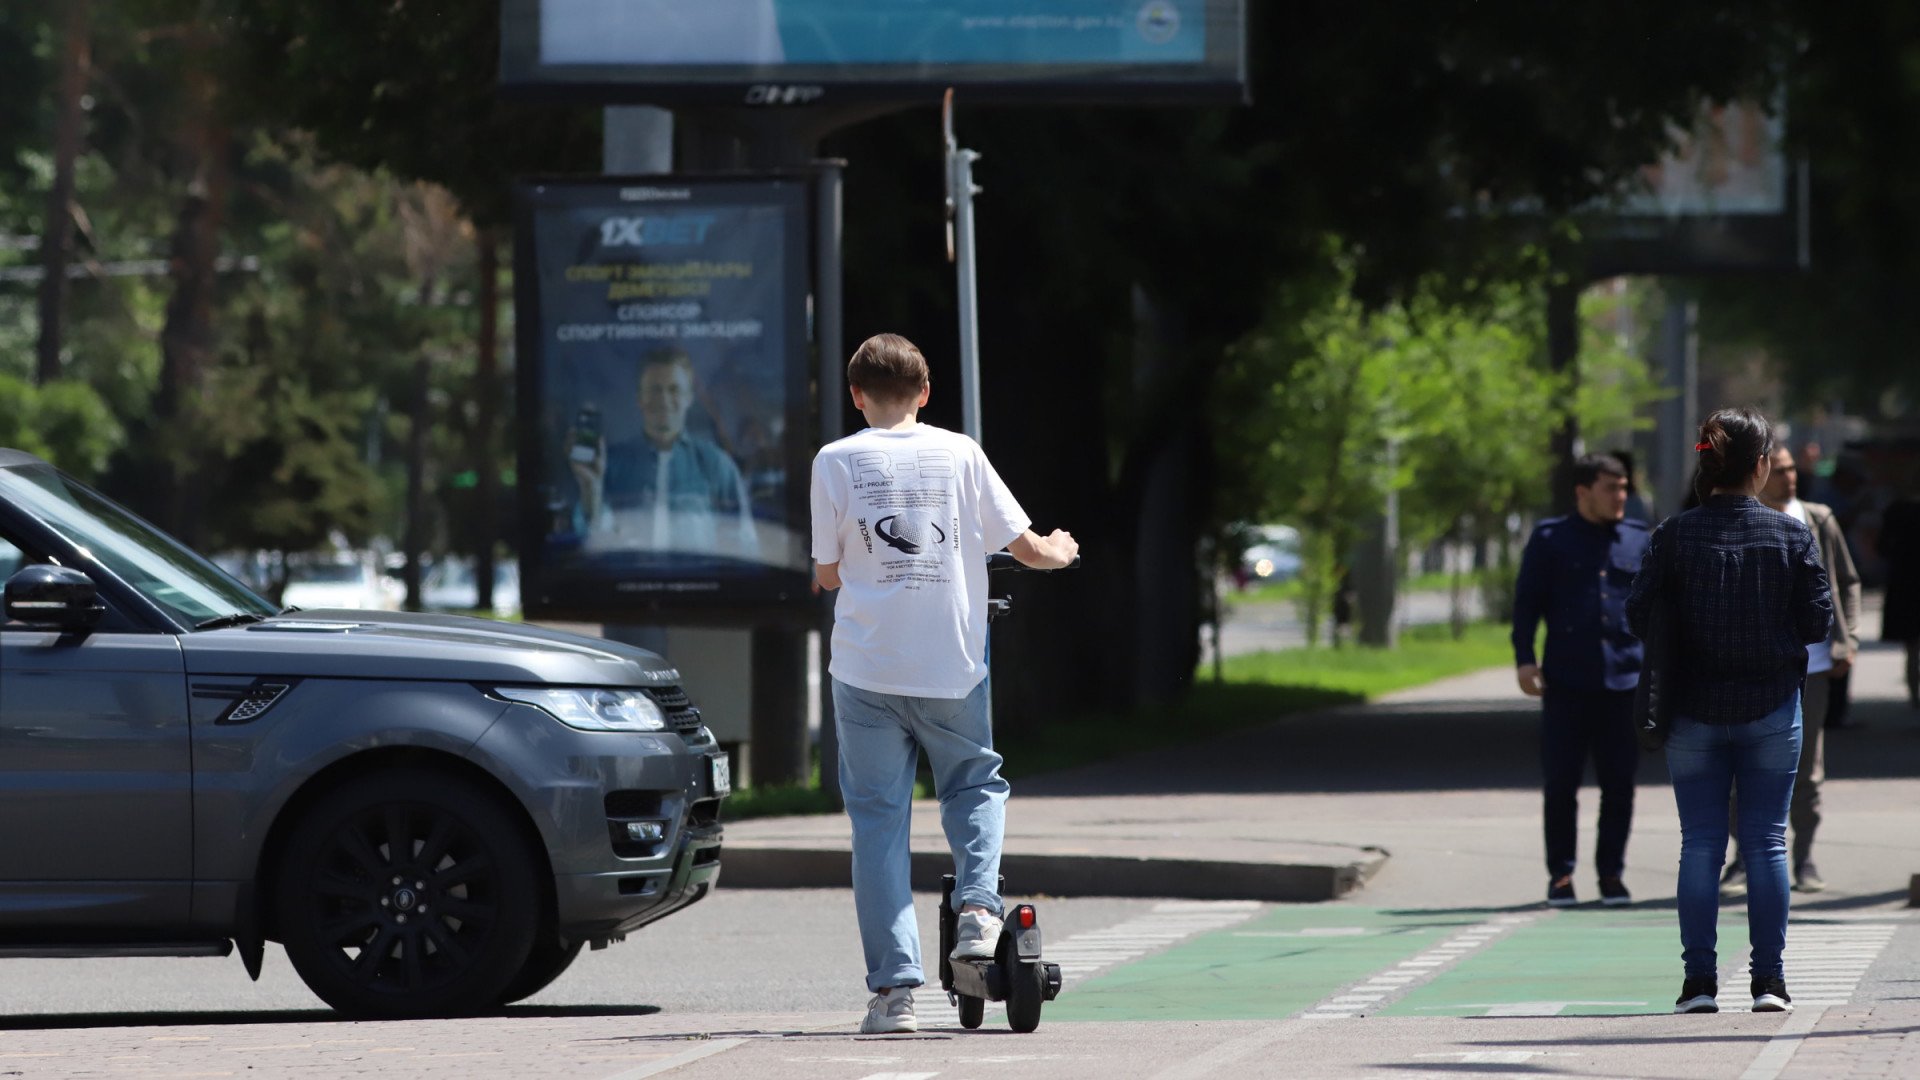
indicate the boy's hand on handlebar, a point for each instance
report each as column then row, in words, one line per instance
column 1064, row 545
column 1051, row 552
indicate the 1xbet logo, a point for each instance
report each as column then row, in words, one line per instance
column 642, row 231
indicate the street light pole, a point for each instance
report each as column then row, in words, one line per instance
column 960, row 193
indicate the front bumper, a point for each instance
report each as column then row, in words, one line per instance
column 597, row 906
column 583, row 788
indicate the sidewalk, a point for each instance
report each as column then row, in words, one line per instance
column 1444, row 777
column 1201, row 848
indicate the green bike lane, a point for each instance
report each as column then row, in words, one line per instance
column 1581, row 961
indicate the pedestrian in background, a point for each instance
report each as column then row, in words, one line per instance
column 1825, row 661
column 1637, row 509
column 1576, row 573
column 1899, row 547
column 1747, row 595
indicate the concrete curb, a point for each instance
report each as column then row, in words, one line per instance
column 748, row 867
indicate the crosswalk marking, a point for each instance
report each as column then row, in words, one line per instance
column 1369, row 996
column 1825, row 961
column 1083, row 955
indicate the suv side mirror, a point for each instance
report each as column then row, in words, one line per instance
column 57, row 597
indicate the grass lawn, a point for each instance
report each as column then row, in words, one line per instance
column 1426, row 653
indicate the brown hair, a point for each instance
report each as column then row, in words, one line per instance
column 1732, row 442
column 888, row 367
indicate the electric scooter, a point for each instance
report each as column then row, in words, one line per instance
column 1016, row 975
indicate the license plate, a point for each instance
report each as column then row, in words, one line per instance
column 721, row 773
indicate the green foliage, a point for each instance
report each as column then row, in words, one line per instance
column 66, row 423
column 409, row 89
column 1441, row 397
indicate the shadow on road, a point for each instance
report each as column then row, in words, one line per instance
column 52, row 1021
column 1439, row 746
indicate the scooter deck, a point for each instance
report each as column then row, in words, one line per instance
column 979, row 978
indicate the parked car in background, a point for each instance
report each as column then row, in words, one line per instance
column 433, row 814
column 1274, row 554
column 451, row 586
column 347, row 581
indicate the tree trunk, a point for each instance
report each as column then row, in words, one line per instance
column 486, row 461
column 416, row 537
column 186, row 339
column 1563, row 356
column 56, row 247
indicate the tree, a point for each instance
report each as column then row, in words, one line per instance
column 1122, row 250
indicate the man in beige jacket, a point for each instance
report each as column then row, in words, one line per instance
column 1826, row 660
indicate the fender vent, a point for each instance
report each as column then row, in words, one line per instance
column 250, row 701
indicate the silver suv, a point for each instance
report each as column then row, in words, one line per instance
column 432, row 814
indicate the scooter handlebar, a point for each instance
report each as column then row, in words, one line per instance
column 1004, row 560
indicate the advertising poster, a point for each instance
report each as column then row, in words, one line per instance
column 783, row 52
column 663, row 378
column 871, row 32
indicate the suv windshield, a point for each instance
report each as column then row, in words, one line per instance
column 183, row 584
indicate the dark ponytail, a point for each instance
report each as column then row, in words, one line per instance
column 1732, row 442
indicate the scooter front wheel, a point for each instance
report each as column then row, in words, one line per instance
column 973, row 1012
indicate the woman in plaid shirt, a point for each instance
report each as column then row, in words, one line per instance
column 1750, row 594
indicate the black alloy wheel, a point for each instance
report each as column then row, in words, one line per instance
column 408, row 894
column 549, row 959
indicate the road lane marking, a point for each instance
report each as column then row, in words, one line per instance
column 707, row 1049
column 1773, row 1057
column 1083, row 955
column 1529, row 1008
column 1381, row 989
column 1497, row 1057
column 1825, row 962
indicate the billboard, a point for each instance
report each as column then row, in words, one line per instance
column 800, row 52
column 663, row 380
column 1726, row 198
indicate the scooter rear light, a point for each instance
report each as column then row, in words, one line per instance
column 1024, row 913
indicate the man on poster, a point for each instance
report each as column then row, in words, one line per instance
column 670, row 489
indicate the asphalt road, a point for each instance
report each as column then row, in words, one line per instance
column 1445, row 965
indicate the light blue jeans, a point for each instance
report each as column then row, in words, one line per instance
column 881, row 736
column 1706, row 761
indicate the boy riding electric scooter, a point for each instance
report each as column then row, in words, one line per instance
column 904, row 518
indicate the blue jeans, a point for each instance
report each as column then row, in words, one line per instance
column 881, row 736
column 1706, row 761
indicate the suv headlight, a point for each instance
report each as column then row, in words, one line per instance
column 590, row 709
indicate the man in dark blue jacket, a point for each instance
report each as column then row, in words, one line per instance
column 1576, row 574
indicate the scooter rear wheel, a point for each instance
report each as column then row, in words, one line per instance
column 1026, row 991
column 973, row 1012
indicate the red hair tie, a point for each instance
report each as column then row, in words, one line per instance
column 1702, row 446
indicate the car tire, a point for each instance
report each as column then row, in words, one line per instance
column 408, row 894
column 548, row 961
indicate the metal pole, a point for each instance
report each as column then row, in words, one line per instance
column 828, row 328
column 960, row 193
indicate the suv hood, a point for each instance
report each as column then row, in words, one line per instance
column 346, row 643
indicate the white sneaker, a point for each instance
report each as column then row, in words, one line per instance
column 890, row 1013
column 979, row 936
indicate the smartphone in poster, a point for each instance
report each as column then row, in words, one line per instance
column 663, row 376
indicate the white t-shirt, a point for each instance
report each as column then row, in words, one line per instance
column 1820, row 656
column 911, row 517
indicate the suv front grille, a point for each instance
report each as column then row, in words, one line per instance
column 682, row 717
